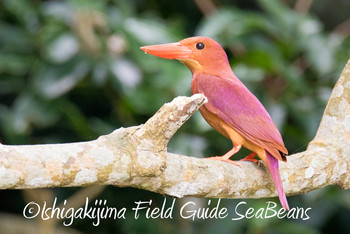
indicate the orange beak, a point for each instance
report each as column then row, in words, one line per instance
column 169, row 51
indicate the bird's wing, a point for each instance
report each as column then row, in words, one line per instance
column 239, row 108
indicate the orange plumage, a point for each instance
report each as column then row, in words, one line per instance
column 232, row 109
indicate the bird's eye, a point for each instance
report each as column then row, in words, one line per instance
column 200, row 45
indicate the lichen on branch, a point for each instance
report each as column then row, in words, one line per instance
column 138, row 157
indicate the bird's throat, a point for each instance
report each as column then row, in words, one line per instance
column 193, row 65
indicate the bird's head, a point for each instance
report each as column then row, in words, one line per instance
column 199, row 54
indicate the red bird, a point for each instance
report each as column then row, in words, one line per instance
column 232, row 109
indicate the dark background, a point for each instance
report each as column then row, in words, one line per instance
column 72, row 71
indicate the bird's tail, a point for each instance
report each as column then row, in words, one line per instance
column 274, row 170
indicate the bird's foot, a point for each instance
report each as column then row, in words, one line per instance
column 251, row 158
column 226, row 157
column 223, row 159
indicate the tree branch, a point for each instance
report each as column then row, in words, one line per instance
column 138, row 157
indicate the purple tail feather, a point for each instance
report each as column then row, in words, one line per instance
column 274, row 170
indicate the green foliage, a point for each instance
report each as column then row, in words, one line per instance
column 72, row 70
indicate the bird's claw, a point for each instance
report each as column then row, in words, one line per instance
column 251, row 158
column 221, row 158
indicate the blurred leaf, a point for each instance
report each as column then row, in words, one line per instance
column 283, row 17
column 25, row 12
column 220, row 22
column 58, row 10
column 100, row 71
column 126, row 72
column 148, row 31
column 320, row 53
column 278, row 114
column 77, row 121
column 63, row 48
column 14, row 40
column 55, row 81
column 9, row 85
column 28, row 111
column 186, row 144
column 88, row 4
column 15, row 64
column 308, row 26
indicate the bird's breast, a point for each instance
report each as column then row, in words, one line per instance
column 222, row 127
column 214, row 121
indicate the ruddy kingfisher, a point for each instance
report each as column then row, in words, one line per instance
column 232, row 109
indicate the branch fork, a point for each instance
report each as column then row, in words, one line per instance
column 138, row 157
